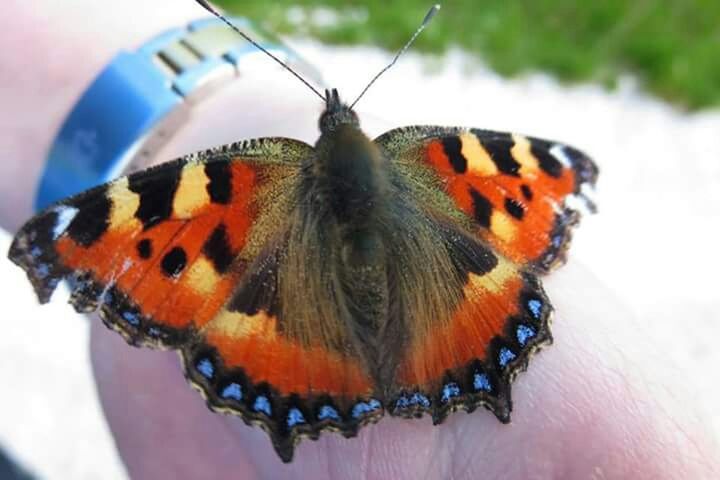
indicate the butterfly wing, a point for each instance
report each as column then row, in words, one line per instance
column 521, row 194
column 503, row 207
column 159, row 252
column 469, row 355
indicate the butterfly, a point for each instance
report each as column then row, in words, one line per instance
column 318, row 288
column 313, row 288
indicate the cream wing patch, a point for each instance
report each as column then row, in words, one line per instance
column 202, row 277
column 494, row 281
column 125, row 204
column 520, row 151
column 502, row 226
column 478, row 159
column 239, row 325
column 192, row 193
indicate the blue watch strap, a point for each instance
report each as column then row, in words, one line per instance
column 87, row 149
column 137, row 92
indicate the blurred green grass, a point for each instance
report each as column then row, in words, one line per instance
column 671, row 46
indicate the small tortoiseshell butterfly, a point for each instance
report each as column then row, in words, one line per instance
column 318, row 288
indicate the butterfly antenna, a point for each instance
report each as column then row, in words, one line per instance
column 429, row 16
column 210, row 9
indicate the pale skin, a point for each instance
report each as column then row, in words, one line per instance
column 599, row 403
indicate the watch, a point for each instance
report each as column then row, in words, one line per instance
column 141, row 98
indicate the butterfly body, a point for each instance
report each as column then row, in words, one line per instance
column 319, row 288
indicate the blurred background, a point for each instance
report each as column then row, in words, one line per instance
column 635, row 84
column 670, row 46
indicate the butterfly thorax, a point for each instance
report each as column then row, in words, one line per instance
column 348, row 170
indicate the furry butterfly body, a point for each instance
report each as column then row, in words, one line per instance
column 319, row 288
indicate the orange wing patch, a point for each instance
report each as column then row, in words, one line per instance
column 245, row 366
column 252, row 342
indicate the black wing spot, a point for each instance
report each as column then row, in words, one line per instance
column 527, row 192
column 482, row 208
column 453, row 149
column 156, row 190
column 92, row 219
column 219, row 187
column 514, row 208
column 217, row 249
column 174, row 262
column 144, row 248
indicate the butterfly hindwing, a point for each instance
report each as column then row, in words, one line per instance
column 159, row 252
column 248, row 361
column 520, row 193
column 469, row 356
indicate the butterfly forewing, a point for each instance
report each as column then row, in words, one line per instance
column 160, row 251
column 520, row 193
